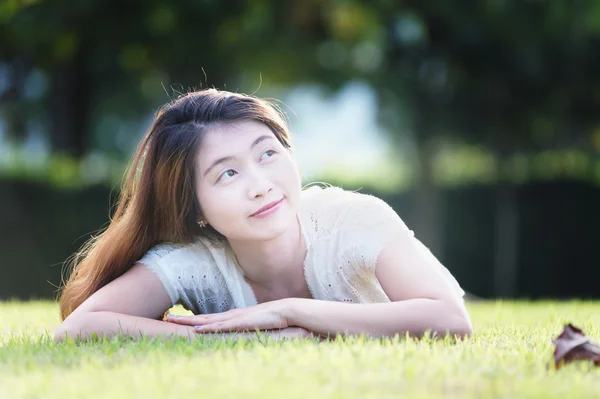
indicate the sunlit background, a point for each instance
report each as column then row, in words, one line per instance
column 478, row 124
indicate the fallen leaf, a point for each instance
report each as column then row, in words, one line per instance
column 572, row 344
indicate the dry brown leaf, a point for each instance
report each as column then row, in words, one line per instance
column 572, row 345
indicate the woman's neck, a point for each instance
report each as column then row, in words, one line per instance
column 274, row 263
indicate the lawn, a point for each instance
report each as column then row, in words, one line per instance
column 508, row 357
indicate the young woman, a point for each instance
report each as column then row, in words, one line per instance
column 213, row 216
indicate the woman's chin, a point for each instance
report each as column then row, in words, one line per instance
column 274, row 228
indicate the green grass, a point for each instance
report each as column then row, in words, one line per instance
column 508, row 357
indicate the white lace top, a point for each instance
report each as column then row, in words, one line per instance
column 344, row 232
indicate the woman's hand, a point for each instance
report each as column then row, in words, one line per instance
column 265, row 316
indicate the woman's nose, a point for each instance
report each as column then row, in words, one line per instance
column 259, row 185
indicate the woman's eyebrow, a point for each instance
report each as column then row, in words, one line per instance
column 261, row 138
column 231, row 157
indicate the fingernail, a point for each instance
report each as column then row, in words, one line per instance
column 197, row 327
column 173, row 315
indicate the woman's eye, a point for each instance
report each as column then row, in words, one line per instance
column 227, row 174
column 267, row 154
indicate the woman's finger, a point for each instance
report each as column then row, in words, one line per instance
column 237, row 324
column 187, row 320
column 199, row 319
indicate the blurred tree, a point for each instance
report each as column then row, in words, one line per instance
column 109, row 54
column 512, row 76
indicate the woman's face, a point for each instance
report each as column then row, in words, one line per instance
column 241, row 168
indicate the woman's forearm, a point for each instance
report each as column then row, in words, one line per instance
column 83, row 325
column 413, row 316
column 109, row 324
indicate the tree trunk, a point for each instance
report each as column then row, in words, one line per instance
column 15, row 114
column 506, row 245
column 69, row 104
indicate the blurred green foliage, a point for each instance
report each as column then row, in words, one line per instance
column 509, row 75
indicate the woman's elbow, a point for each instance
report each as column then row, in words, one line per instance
column 464, row 330
column 71, row 327
column 60, row 334
column 459, row 323
column 462, row 325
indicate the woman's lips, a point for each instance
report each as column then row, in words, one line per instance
column 268, row 209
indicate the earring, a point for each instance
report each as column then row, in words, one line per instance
column 201, row 223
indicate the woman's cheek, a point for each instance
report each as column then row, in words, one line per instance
column 228, row 200
column 212, row 202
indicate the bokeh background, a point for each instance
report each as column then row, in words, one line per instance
column 476, row 120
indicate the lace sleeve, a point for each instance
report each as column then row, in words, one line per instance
column 154, row 260
column 192, row 277
column 371, row 223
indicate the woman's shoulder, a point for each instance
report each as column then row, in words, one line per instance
column 351, row 217
column 339, row 202
column 173, row 252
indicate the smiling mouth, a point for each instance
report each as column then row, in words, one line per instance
column 267, row 207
